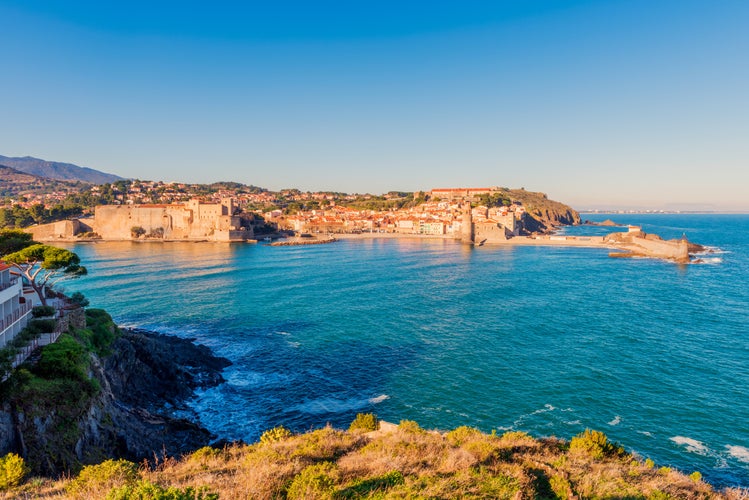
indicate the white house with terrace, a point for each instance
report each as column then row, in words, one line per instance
column 15, row 305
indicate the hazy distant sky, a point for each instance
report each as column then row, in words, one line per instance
column 598, row 103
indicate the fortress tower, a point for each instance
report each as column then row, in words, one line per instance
column 467, row 224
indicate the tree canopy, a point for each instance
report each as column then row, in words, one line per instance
column 13, row 240
column 40, row 264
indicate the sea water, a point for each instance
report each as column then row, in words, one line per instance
column 547, row 340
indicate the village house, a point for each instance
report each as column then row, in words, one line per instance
column 15, row 305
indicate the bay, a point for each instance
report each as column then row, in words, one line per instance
column 546, row 340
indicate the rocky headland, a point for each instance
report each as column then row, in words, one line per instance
column 124, row 403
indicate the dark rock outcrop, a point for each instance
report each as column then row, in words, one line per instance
column 144, row 386
column 542, row 214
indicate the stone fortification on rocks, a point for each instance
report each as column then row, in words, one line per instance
column 636, row 243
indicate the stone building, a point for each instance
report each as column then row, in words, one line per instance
column 189, row 221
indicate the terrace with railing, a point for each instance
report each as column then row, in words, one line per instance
column 62, row 322
column 11, row 319
column 8, row 284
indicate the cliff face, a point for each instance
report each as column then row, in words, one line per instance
column 130, row 415
column 543, row 214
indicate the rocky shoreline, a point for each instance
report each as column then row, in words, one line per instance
column 138, row 413
column 151, row 377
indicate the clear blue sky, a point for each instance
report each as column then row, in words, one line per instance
column 626, row 103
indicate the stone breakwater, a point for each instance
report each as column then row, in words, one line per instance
column 302, row 241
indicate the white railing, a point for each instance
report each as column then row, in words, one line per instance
column 16, row 315
column 9, row 284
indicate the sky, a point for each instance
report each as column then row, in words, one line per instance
column 600, row 104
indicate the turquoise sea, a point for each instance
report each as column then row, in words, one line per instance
column 541, row 339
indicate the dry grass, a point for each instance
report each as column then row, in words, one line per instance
column 407, row 462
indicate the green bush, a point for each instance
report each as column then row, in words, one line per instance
column 78, row 298
column 204, row 454
column 42, row 311
column 66, row 358
column 516, row 436
column 366, row 488
column 316, row 481
column 42, row 325
column 410, row 427
column 96, row 479
column 594, row 444
column 12, row 471
column 145, row 490
column 365, row 422
column 100, row 332
column 275, row 434
column 462, row 434
column 695, row 476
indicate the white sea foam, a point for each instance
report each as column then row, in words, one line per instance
column 740, row 453
column 616, row 421
column 379, row 399
column 255, row 379
column 692, row 445
column 332, row 405
column 646, row 433
column 712, row 250
column 573, row 422
column 708, row 260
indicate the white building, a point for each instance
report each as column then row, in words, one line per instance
column 15, row 305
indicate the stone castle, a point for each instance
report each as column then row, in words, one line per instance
column 191, row 221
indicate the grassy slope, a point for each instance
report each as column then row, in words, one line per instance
column 402, row 462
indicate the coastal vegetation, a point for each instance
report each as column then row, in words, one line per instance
column 403, row 461
column 58, row 388
column 40, row 264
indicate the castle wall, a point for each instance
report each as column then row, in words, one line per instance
column 173, row 222
column 63, row 229
column 488, row 232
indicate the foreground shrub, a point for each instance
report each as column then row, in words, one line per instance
column 42, row 325
column 66, row 358
column 12, row 471
column 594, row 444
column 145, row 490
column 100, row 331
column 275, row 434
column 204, row 454
column 365, row 422
column 323, row 444
column 42, row 311
column 462, row 434
column 366, row 488
column 316, row 481
column 410, row 427
column 95, row 480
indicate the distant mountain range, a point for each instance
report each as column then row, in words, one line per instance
column 14, row 182
column 57, row 170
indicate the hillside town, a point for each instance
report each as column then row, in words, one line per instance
column 174, row 212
